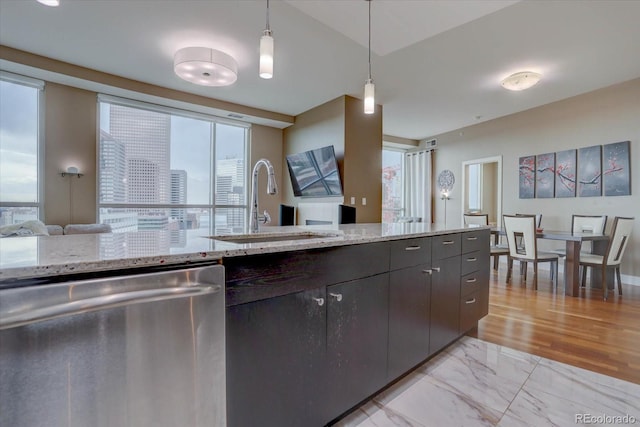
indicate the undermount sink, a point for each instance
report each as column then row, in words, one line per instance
column 271, row 237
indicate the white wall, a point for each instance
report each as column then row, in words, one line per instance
column 600, row 117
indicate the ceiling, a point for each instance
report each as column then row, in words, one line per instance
column 437, row 65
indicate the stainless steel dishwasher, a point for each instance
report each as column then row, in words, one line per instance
column 140, row 350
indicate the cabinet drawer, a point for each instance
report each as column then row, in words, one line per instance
column 410, row 252
column 470, row 283
column 475, row 240
column 445, row 246
column 469, row 311
column 471, row 262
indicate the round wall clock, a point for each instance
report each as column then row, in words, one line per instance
column 446, row 180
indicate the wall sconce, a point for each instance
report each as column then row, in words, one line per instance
column 71, row 170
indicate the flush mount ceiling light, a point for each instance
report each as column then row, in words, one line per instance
column 205, row 66
column 266, row 51
column 369, row 87
column 50, row 2
column 521, row 81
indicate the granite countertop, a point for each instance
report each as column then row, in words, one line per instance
column 46, row 256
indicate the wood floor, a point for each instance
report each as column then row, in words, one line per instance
column 584, row 331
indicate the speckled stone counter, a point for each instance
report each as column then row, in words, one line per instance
column 50, row 256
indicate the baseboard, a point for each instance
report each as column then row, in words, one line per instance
column 627, row 279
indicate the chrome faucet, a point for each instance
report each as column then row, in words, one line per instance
column 272, row 188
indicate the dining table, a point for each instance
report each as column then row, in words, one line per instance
column 573, row 242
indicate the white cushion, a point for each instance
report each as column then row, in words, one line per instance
column 594, row 259
column 27, row 228
column 87, row 228
column 55, row 230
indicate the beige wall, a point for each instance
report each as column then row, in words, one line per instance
column 321, row 126
column 600, row 117
column 363, row 160
column 70, row 140
column 357, row 140
column 266, row 143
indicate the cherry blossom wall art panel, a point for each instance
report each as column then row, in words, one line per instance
column 527, row 166
column 616, row 169
column 566, row 173
column 545, row 172
column 590, row 171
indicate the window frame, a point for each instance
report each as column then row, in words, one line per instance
column 213, row 121
column 40, row 150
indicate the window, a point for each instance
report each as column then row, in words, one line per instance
column 20, row 147
column 165, row 169
column 392, row 185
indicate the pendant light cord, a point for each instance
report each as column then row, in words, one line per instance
column 369, row 38
column 268, row 28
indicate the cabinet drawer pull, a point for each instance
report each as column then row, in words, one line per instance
column 436, row 269
column 472, row 259
column 412, row 248
column 338, row 297
column 472, row 280
column 320, row 301
column 470, row 301
column 428, row 271
column 448, row 242
column 472, row 238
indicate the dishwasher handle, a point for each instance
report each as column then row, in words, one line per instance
column 102, row 302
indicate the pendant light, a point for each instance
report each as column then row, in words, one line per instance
column 266, row 51
column 369, row 87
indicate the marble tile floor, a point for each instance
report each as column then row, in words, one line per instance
column 476, row 383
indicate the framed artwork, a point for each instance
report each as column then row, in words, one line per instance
column 566, row 173
column 616, row 169
column 527, row 179
column 590, row 171
column 545, row 175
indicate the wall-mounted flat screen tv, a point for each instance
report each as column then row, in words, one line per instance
column 315, row 173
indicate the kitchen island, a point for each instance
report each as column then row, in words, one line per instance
column 318, row 319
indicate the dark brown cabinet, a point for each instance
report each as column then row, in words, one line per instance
column 445, row 302
column 311, row 334
column 409, row 317
column 276, row 355
column 357, row 331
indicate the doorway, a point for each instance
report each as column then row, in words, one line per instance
column 482, row 187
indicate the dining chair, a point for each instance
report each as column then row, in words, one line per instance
column 585, row 224
column 620, row 235
column 537, row 216
column 524, row 226
column 476, row 219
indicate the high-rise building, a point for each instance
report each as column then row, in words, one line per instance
column 113, row 168
column 179, row 196
column 147, row 138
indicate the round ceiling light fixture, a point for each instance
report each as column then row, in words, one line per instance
column 50, row 2
column 521, row 81
column 205, row 66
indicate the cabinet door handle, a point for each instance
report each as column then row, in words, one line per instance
column 472, row 259
column 472, row 280
column 338, row 297
column 470, row 301
column 448, row 242
column 472, row 238
column 320, row 301
column 412, row 248
column 436, row 269
column 428, row 271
